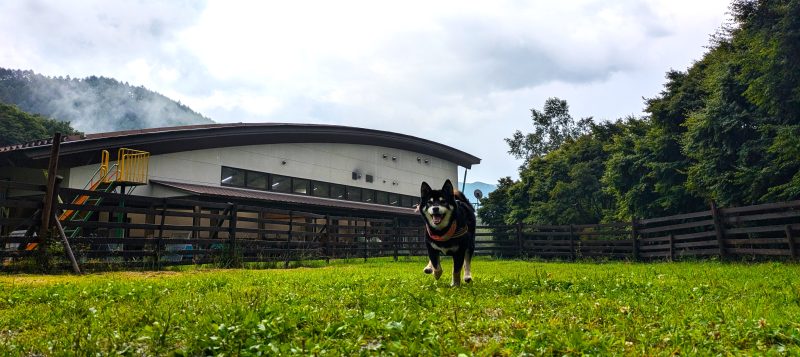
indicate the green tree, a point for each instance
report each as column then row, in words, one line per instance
column 738, row 141
column 647, row 170
column 495, row 206
column 552, row 127
column 17, row 126
column 564, row 186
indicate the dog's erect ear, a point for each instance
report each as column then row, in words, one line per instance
column 425, row 190
column 447, row 188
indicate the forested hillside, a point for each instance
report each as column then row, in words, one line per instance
column 727, row 129
column 93, row 104
column 17, row 126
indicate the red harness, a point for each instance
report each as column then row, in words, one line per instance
column 451, row 233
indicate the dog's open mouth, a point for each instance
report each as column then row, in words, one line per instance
column 437, row 218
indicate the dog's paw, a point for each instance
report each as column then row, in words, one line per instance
column 467, row 279
column 455, row 284
column 438, row 273
column 427, row 270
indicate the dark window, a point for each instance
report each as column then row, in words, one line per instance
column 263, row 181
column 320, row 189
column 257, row 180
column 281, row 184
column 369, row 178
column 353, row 193
column 300, row 186
column 383, row 198
column 232, row 177
column 338, row 191
column 368, row 195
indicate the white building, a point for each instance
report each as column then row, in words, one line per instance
column 314, row 168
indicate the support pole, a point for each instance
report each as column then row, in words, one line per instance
column 48, row 205
column 49, row 198
column 464, row 182
column 75, row 268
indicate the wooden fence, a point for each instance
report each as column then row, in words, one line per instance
column 135, row 231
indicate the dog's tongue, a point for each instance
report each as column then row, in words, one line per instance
column 437, row 219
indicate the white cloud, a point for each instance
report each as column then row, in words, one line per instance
column 462, row 72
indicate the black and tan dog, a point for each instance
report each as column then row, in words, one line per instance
column 449, row 229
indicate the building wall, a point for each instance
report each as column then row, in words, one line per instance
column 399, row 172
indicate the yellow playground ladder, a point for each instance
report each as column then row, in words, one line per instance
column 131, row 169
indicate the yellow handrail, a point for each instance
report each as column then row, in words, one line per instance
column 133, row 165
column 104, row 165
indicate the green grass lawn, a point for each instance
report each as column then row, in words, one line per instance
column 384, row 307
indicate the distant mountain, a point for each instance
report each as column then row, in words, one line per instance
column 472, row 186
column 93, row 104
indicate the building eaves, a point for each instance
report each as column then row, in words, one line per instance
column 281, row 198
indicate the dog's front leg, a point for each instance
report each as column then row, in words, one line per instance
column 434, row 265
column 467, row 262
column 458, row 262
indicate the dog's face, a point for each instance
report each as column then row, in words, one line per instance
column 437, row 206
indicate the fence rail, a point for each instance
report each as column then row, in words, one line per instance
column 139, row 231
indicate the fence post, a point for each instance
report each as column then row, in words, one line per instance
column 365, row 239
column 719, row 230
column 327, row 238
column 790, row 240
column 289, row 241
column 333, row 232
column 159, row 242
column 396, row 237
column 572, row 249
column 262, row 226
column 233, row 213
column 635, row 239
column 671, row 247
column 150, row 219
column 519, row 238
column 196, row 212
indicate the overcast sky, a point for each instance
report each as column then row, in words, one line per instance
column 462, row 73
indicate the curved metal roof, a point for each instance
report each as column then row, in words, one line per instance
column 82, row 150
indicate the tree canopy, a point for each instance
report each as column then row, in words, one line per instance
column 17, row 126
column 552, row 127
column 726, row 130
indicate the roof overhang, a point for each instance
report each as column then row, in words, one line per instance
column 79, row 151
column 284, row 200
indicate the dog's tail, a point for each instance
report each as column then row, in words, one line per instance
column 461, row 197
